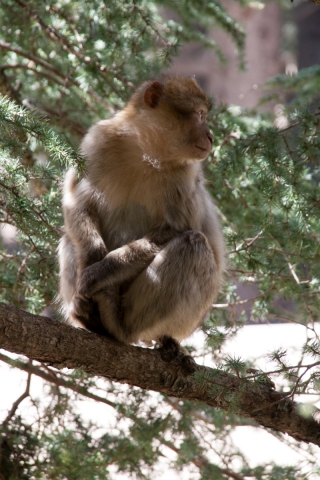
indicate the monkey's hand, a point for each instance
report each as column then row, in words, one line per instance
column 92, row 279
column 82, row 308
column 162, row 235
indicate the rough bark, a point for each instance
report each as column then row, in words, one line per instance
column 61, row 345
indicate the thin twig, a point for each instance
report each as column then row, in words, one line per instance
column 52, row 377
column 242, row 302
column 16, row 404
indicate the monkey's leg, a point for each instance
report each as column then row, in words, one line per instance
column 124, row 264
column 81, row 221
column 96, row 302
column 172, row 296
column 78, row 311
column 111, row 314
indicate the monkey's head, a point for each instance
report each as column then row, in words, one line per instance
column 171, row 114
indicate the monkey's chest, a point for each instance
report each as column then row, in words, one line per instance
column 127, row 223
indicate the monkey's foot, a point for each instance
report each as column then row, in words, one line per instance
column 171, row 351
column 85, row 313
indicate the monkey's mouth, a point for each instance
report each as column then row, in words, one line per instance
column 201, row 148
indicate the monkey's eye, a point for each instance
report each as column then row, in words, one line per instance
column 201, row 115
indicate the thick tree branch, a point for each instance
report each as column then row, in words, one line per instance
column 61, row 345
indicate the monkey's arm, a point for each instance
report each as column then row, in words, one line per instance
column 83, row 231
column 121, row 265
column 126, row 263
column 212, row 230
column 82, row 221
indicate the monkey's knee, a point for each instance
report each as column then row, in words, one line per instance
column 195, row 239
column 195, row 253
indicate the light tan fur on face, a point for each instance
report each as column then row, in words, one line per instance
column 143, row 254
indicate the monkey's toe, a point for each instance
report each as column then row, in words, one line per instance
column 171, row 351
column 170, row 348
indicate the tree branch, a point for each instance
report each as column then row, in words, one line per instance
column 16, row 404
column 61, row 345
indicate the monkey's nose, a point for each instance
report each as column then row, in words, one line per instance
column 210, row 137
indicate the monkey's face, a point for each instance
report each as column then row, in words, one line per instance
column 175, row 110
column 185, row 136
column 196, row 136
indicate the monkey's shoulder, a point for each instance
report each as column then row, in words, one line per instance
column 106, row 135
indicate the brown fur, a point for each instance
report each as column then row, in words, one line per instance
column 143, row 253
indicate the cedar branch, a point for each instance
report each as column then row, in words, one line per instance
column 61, row 346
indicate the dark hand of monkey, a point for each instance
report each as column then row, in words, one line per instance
column 171, row 351
column 82, row 307
column 162, row 235
column 92, row 279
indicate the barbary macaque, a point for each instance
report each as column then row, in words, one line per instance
column 142, row 257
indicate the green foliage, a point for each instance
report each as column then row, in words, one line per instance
column 235, row 365
column 303, row 88
column 268, row 185
column 18, row 445
column 64, row 65
column 30, row 201
column 275, row 473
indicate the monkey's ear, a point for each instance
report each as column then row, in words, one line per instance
column 153, row 94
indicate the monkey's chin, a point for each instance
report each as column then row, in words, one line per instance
column 200, row 153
